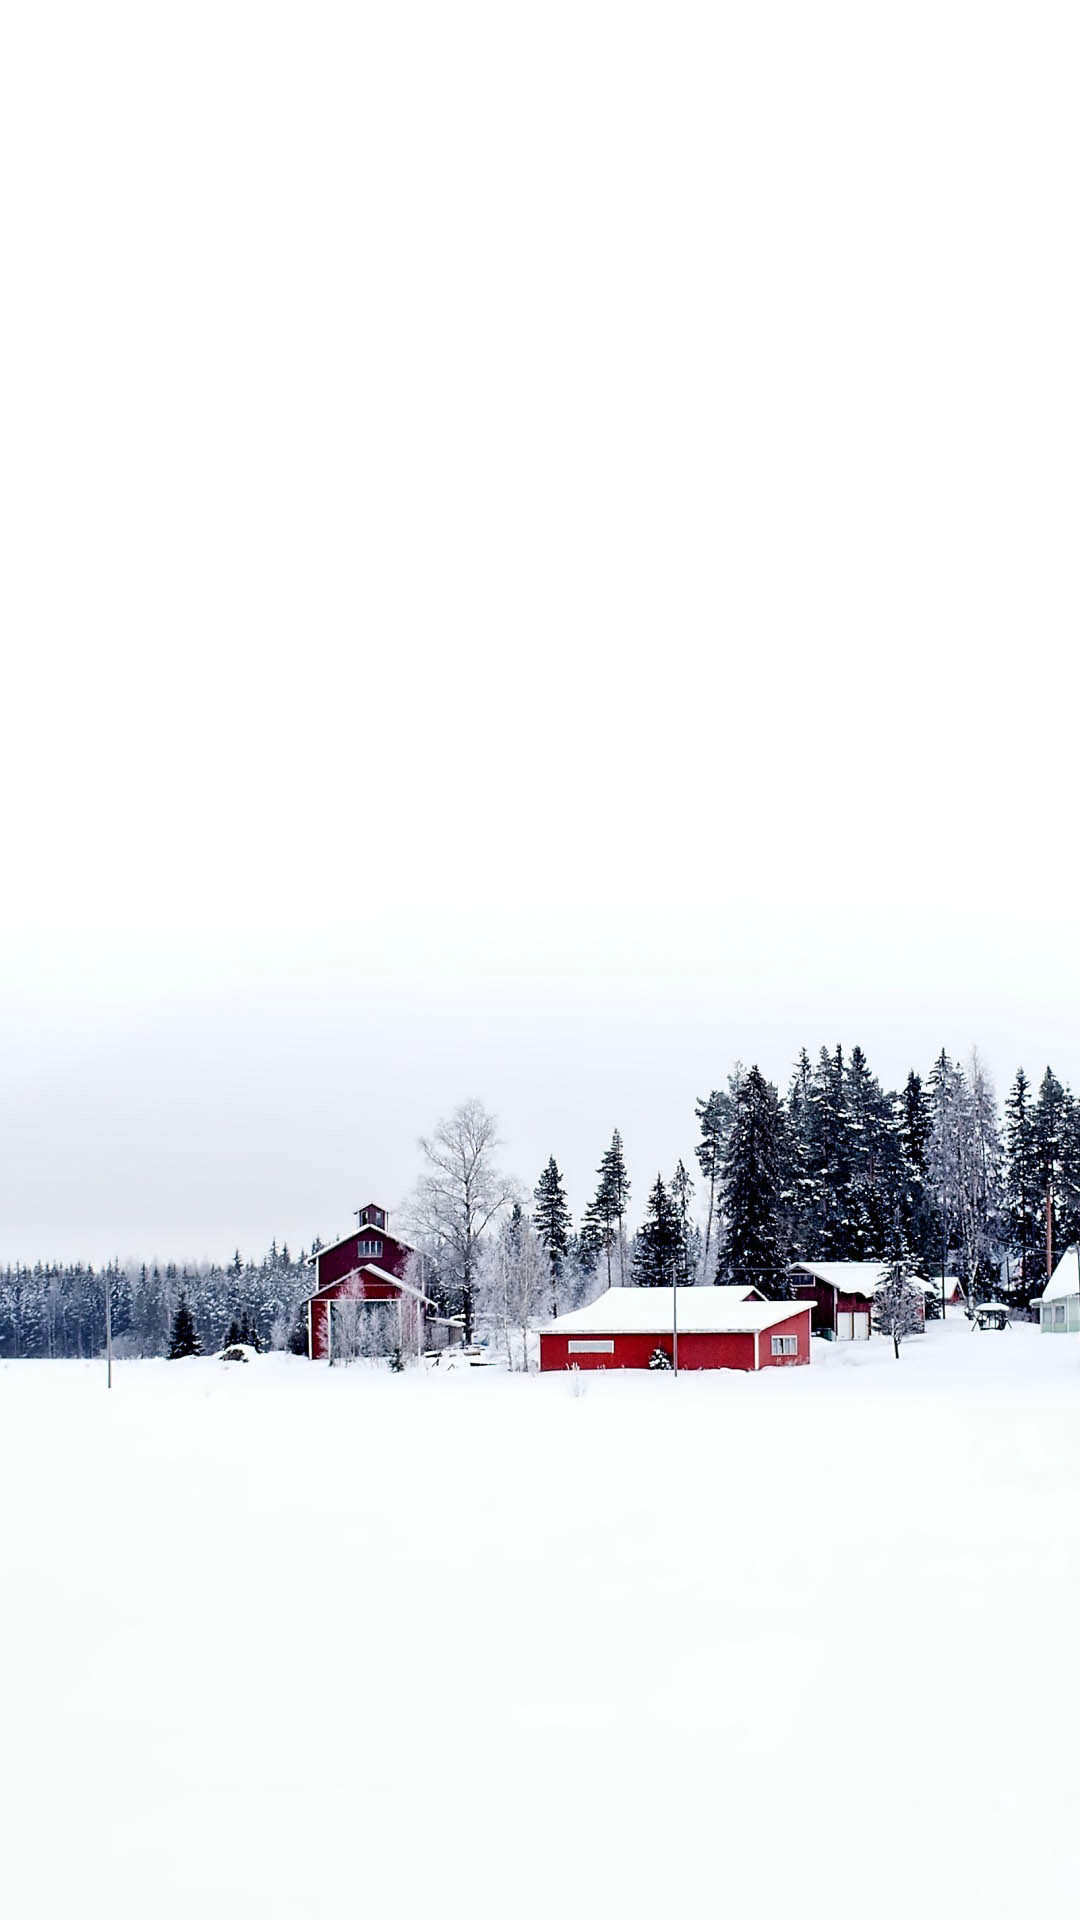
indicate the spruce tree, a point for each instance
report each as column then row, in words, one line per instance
column 1069, row 1210
column 874, row 1158
column 606, row 1212
column 656, row 1249
column 551, row 1218
column 753, row 1182
column 184, row 1340
column 1051, row 1129
column 942, row 1154
column 801, row 1190
column 682, row 1192
column 917, row 1216
column 713, row 1114
column 830, row 1160
column 1022, row 1189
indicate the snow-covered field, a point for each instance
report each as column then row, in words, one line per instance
column 279, row 1641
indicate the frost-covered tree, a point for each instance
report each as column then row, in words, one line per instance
column 898, row 1303
column 461, row 1193
column 518, row 1280
column 964, row 1167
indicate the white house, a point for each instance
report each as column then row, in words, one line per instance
column 1059, row 1305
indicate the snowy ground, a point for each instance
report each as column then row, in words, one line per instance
column 280, row 1641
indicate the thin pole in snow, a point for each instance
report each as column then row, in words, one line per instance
column 108, row 1328
column 675, row 1322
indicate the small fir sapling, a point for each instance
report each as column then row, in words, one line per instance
column 898, row 1302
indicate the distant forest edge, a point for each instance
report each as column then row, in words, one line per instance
column 835, row 1169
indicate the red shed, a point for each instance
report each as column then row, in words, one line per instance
column 841, row 1294
column 369, row 1265
column 718, row 1327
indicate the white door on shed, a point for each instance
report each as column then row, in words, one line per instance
column 843, row 1326
column 860, row 1326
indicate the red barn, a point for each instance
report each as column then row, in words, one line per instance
column 841, row 1294
column 718, row 1327
column 369, row 1265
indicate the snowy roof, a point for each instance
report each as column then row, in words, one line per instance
column 379, row 1273
column 851, row 1276
column 1065, row 1278
column 700, row 1310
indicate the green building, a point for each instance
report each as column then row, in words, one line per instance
column 1059, row 1306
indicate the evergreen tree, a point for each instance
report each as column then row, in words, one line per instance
column 801, row 1190
column 606, row 1212
column 829, row 1137
column 184, row 1340
column 1023, row 1190
column 753, row 1181
column 713, row 1114
column 917, row 1216
column 874, row 1158
column 656, row 1249
column 298, row 1332
column 682, row 1192
column 942, row 1155
column 551, row 1218
column 1069, row 1199
column 1051, row 1132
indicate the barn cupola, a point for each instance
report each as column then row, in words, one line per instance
column 372, row 1217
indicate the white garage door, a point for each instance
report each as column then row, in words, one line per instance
column 843, row 1326
column 860, row 1326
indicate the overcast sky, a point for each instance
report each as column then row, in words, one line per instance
column 540, row 559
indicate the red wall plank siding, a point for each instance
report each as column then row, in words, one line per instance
column 697, row 1351
column 799, row 1325
column 336, row 1262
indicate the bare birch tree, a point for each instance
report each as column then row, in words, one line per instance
column 461, row 1193
column 518, row 1278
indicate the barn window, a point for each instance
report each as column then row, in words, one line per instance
column 590, row 1346
column 784, row 1345
column 370, row 1249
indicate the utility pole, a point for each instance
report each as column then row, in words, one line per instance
column 108, row 1327
column 675, row 1323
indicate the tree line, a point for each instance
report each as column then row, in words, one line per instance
column 55, row 1311
column 931, row 1176
column 835, row 1167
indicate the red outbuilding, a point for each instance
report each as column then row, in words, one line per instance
column 717, row 1327
column 841, row 1294
column 367, row 1268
